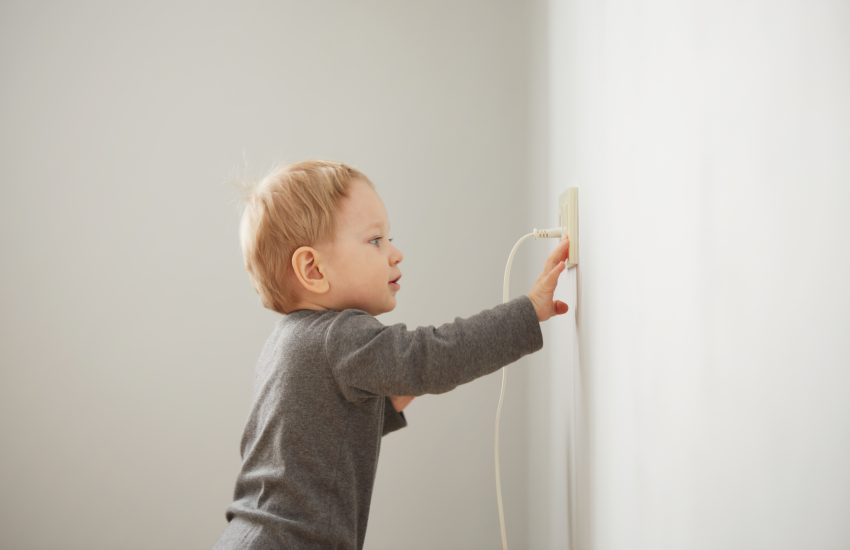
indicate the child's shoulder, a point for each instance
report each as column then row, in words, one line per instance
column 304, row 336
column 303, row 323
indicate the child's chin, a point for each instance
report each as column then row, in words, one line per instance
column 390, row 306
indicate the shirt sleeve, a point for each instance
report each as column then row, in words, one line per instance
column 369, row 359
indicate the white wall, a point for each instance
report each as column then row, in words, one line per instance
column 550, row 395
column 129, row 330
column 711, row 141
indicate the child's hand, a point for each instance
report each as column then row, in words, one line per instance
column 400, row 401
column 544, row 289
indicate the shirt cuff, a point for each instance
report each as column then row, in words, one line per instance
column 393, row 420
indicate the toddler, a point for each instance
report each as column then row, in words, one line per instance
column 331, row 380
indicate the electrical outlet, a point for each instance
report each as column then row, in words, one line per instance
column 568, row 218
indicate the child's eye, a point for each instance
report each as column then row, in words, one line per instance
column 378, row 239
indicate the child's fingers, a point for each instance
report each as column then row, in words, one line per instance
column 554, row 273
column 560, row 252
column 400, row 401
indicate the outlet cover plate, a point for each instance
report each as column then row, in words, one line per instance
column 568, row 218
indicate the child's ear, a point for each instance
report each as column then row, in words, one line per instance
column 309, row 271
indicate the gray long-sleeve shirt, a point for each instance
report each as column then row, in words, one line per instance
column 310, row 446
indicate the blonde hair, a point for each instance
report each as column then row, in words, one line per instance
column 293, row 206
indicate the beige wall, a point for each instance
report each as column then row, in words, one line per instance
column 129, row 330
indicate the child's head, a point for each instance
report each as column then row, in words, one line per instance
column 315, row 235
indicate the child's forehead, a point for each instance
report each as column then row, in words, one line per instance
column 377, row 225
column 365, row 211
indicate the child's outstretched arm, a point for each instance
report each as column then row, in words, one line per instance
column 368, row 359
column 543, row 291
column 542, row 294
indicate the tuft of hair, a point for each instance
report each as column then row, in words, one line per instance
column 293, row 206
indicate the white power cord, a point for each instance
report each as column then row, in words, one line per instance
column 553, row 233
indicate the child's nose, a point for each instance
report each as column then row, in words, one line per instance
column 398, row 256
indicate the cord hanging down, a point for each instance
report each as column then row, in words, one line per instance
column 552, row 233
